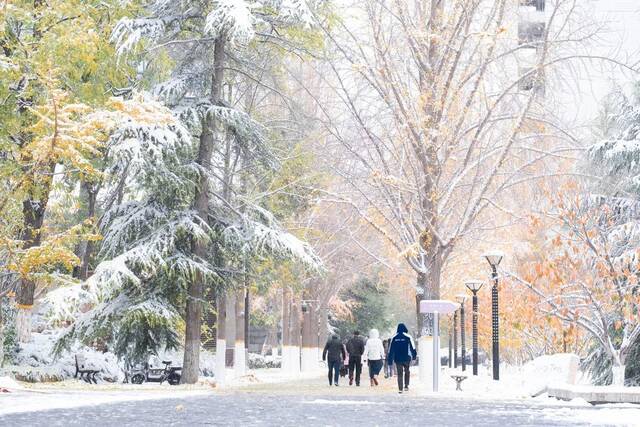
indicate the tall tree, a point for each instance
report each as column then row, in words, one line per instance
column 212, row 36
column 55, row 57
column 437, row 120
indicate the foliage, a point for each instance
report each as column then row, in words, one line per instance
column 368, row 301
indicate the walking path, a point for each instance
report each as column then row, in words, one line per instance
column 311, row 402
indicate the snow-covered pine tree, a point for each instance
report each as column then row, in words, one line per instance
column 616, row 156
column 202, row 39
column 137, row 289
column 616, row 159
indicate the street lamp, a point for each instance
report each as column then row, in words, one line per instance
column 494, row 258
column 474, row 286
column 455, row 339
column 461, row 299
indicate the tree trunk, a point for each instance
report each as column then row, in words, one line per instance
column 618, row 375
column 208, row 335
column 239, row 356
column 33, row 212
column 221, row 343
column 296, row 333
column 286, row 330
column 247, row 316
column 85, row 259
column 195, row 292
column 427, row 287
column 323, row 331
column 1, row 333
column 231, row 329
column 619, row 367
column 308, row 342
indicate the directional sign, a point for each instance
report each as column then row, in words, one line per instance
column 442, row 306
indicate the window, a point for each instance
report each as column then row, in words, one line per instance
column 538, row 4
column 530, row 32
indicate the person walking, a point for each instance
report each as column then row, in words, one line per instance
column 355, row 348
column 388, row 368
column 374, row 354
column 401, row 352
column 333, row 354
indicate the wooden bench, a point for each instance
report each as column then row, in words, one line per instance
column 459, row 378
column 87, row 371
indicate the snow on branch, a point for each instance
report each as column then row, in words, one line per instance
column 259, row 232
column 232, row 19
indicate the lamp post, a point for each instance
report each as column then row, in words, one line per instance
column 474, row 286
column 494, row 259
column 455, row 339
column 461, row 299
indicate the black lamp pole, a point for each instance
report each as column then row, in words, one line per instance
column 455, row 339
column 464, row 349
column 495, row 324
column 474, row 286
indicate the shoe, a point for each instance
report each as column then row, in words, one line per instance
column 399, row 391
column 371, row 382
column 406, row 389
column 350, row 381
column 336, row 384
column 375, row 381
column 357, row 384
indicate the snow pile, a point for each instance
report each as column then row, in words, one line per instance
column 9, row 384
column 543, row 371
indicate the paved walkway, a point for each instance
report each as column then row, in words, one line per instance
column 313, row 403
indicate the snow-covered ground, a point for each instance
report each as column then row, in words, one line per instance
column 25, row 397
column 512, row 391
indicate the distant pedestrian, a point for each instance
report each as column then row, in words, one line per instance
column 388, row 367
column 355, row 348
column 334, row 354
column 401, row 352
column 374, row 355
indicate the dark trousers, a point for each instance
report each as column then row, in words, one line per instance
column 355, row 364
column 403, row 374
column 334, row 368
column 374, row 368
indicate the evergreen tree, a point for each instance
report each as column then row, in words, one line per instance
column 175, row 233
column 616, row 158
column 369, row 307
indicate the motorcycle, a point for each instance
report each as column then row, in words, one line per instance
column 151, row 372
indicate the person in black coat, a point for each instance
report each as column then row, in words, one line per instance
column 401, row 352
column 334, row 354
column 355, row 348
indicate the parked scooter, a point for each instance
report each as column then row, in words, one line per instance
column 151, row 372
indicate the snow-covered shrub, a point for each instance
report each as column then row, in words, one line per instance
column 34, row 361
column 258, row 361
column 8, row 337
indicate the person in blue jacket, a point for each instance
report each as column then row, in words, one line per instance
column 401, row 352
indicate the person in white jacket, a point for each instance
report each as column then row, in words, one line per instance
column 374, row 355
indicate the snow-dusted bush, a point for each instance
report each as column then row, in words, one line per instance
column 258, row 361
column 34, row 362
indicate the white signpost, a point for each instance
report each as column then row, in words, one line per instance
column 435, row 306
